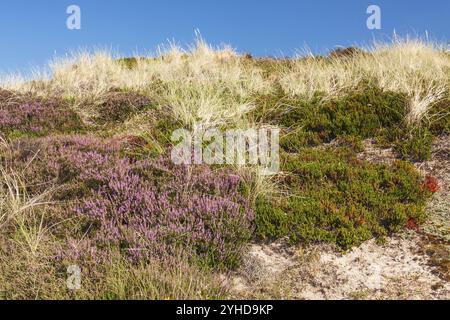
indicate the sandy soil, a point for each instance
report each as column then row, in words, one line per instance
column 412, row 265
column 397, row 269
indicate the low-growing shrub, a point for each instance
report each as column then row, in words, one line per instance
column 414, row 141
column 130, row 62
column 163, row 127
column 196, row 208
column 414, row 144
column 120, row 105
column 72, row 164
column 340, row 199
column 25, row 115
column 362, row 113
column 368, row 112
column 142, row 204
column 346, row 53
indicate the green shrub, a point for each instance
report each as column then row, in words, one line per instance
column 129, row 63
column 351, row 142
column 121, row 105
column 163, row 129
column 296, row 140
column 367, row 112
column 414, row 144
column 339, row 199
column 26, row 115
column 362, row 113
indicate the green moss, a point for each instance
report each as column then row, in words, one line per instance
column 339, row 199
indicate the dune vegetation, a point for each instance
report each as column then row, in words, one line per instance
column 87, row 179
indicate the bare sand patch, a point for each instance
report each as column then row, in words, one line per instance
column 411, row 265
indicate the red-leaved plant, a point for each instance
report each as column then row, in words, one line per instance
column 431, row 184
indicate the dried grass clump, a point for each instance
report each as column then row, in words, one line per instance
column 201, row 83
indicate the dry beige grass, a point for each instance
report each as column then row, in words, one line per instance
column 200, row 84
column 417, row 68
column 211, row 86
column 20, row 213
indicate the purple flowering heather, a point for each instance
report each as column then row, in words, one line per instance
column 119, row 105
column 174, row 205
column 143, row 205
column 28, row 114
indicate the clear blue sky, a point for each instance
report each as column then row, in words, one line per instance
column 33, row 31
